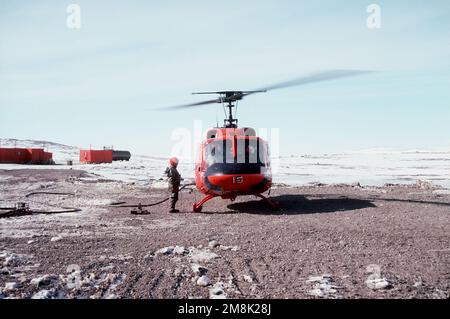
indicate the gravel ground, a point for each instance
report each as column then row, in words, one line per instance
column 327, row 241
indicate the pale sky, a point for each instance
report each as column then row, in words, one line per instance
column 97, row 85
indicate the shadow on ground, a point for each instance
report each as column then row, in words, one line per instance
column 299, row 204
column 400, row 200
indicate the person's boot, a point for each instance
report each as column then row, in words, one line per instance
column 173, row 209
column 173, row 201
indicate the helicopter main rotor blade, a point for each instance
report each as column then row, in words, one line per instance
column 316, row 77
column 232, row 96
column 182, row 106
column 229, row 92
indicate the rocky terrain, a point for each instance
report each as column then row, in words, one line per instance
column 327, row 241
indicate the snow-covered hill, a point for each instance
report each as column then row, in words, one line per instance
column 61, row 153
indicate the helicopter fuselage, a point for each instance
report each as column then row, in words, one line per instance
column 233, row 162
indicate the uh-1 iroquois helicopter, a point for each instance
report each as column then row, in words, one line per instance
column 234, row 161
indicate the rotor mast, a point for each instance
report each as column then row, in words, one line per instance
column 230, row 122
column 230, row 97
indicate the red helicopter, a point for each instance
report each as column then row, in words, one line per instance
column 234, row 161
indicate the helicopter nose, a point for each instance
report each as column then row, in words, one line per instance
column 236, row 182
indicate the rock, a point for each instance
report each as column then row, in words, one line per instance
column 149, row 256
column 43, row 281
column 31, row 242
column 22, row 280
column 121, row 257
column 232, row 248
column 247, row 278
column 178, row 271
column 203, row 281
column 110, row 278
column 4, row 271
column 213, row 244
column 418, row 284
column 97, row 295
column 199, row 270
column 325, row 277
column 323, row 287
column 425, row 184
column 12, row 259
column 107, row 268
column 11, row 286
column 43, row 294
column 56, row 238
column 87, row 281
column 179, row 250
column 217, row 291
column 316, row 184
column 165, row 251
column 378, row 283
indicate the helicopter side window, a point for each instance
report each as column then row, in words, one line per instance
column 214, row 152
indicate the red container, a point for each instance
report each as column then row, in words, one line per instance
column 14, row 156
column 47, row 157
column 95, row 156
column 38, row 156
column 35, row 154
column 25, row 156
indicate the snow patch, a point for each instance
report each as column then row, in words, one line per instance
column 323, row 286
column 217, row 291
column 378, row 283
column 56, row 238
column 11, row 286
column 201, row 255
column 43, row 294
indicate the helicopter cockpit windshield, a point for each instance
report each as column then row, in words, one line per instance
column 242, row 156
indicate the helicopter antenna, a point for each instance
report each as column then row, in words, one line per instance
column 224, row 111
column 217, row 117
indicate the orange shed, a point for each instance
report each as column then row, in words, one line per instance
column 95, row 156
column 25, row 156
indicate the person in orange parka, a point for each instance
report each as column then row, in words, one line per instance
column 174, row 180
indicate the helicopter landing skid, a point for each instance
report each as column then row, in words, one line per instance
column 197, row 207
column 273, row 204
